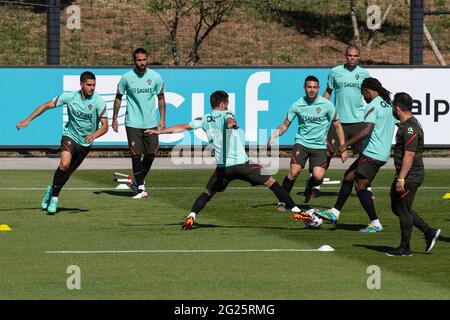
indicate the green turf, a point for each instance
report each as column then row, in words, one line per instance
column 104, row 219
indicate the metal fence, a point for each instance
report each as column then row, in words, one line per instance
column 261, row 32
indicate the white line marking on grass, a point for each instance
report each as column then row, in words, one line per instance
column 191, row 188
column 324, row 248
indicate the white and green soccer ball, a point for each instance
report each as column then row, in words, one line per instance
column 316, row 221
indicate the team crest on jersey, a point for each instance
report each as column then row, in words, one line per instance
column 410, row 130
column 90, row 107
column 357, row 76
column 149, row 82
column 318, row 109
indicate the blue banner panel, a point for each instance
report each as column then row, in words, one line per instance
column 259, row 97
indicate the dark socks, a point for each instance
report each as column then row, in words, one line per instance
column 147, row 163
column 59, row 180
column 138, row 169
column 313, row 183
column 282, row 195
column 365, row 197
column 344, row 193
column 288, row 184
column 200, row 203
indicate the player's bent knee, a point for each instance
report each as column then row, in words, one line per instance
column 270, row 182
column 64, row 166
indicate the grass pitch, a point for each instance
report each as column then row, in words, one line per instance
column 95, row 217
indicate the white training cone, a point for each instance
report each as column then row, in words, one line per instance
column 325, row 247
column 122, row 186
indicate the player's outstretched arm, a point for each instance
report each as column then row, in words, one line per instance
column 39, row 110
column 117, row 103
column 173, row 129
column 282, row 128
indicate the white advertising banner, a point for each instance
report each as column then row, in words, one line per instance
column 430, row 90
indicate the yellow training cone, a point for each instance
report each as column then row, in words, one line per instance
column 5, row 227
column 446, row 196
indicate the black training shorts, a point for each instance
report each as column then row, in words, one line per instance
column 141, row 143
column 222, row 176
column 317, row 157
column 365, row 167
column 78, row 151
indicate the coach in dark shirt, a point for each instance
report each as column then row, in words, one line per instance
column 409, row 176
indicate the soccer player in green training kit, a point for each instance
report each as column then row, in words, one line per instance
column 345, row 80
column 377, row 137
column 315, row 115
column 86, row 110
column 145, row 95
column 231, row 159
column 409, row 176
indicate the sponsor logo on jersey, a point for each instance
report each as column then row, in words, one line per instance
column 82, row 115
column 311, row 119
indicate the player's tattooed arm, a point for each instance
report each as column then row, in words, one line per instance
column 117, row 103
column 162, row 109
column 282, row 128
column 327, row 94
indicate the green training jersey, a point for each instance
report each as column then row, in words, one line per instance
column 347, row 92
column 142, row 98
column 378, row 144
column 228, row 148
column 83, row 114
column 314, row 120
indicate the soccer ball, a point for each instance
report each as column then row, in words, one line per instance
column 316, row 220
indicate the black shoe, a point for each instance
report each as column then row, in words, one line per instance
column 311, row 194
column 399, row 252
column 431, row 238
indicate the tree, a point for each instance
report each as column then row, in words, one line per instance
column 208, row 14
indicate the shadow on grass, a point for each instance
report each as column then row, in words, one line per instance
column 70, row 210
column 302, row 207
column 21, row 209
column 374, row 248
column 125, row 193
column 444, row 239
column 348, row 227
column 385, row 249
column 325, row 194
column 210, row 226
column 61, row 209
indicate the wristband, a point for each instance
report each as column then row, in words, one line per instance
column 400, row 180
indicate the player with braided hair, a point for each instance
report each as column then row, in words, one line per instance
column 377, row 137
